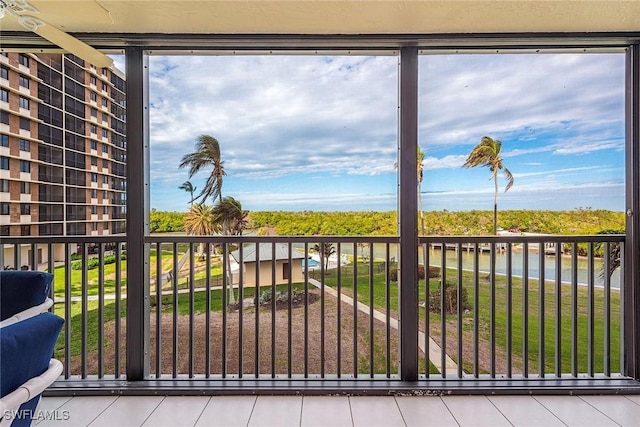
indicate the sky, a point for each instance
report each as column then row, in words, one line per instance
column 313, row 132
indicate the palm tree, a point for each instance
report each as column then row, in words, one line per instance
column 487, row 153
column 189, row 188
column 199, row 222
column 207, row 154
column 229, row 218
column 325, row 250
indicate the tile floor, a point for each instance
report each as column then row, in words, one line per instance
column 317, row 411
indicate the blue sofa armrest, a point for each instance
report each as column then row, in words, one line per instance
column 20, row 290
column 27, row 348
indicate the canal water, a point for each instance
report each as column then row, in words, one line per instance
column 517, row 262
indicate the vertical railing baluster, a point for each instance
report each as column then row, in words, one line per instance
column 67, row 310
column 192, row 319
column 256, row 303
column 492, row 309
column 541, row 310
column 371, row 317
column 459, row 310
column 339, row 314
column 574, row 310
column 100, row 310
column 207, row 313
column 607, row 310
column 355, row 311
column 443, row 312
column 427, row 312
column 525, row 309
column 558, row 311
column 623, row 316
column 323, row 273
column 476, row 310
column 174, row 289
column 85, row 310
column 590, row 312
column 306, row 311
column 273, row 312
column 226, row 272
column 509, row 310
column 290, row 312
column 159, row 280
column 34, row 257
column 51, row 268
column 17, row 256
column 118, row 321
column 387, row 308
column 240, row 309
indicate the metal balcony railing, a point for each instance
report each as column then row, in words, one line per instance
column 327, row 308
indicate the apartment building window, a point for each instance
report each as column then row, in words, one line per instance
column 94, row 210
column 23, row 59
column 105, row 163
column 105, row 134
column 105, row 194
column 105, row 210
column 94, row 160
column 25, row 124
column 92, row 80
column 24, row 103
column 4, row 117
column 94, row 226
column 25, row 230
column 25, row 209
column 104, row 71
column 94, row 193
column 24, row 145
column 105, row 117
column 25, row 166
column 4, row 140
column 93, row 96
column 104, row 86
column 4, row 163
column 24, row 81
column 4, row 73
column 105, row 179
column 25, row 188
column 4, row 230
column 4, row 186
column 94, row 177
column 94, row 146
column 105, row 147
column 4, row 208
column 94, row 112
column 105, row 102
column 4, row 95
column 94, row 129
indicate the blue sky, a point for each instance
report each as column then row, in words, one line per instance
column 312, row 132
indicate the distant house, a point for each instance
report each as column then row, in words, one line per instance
column 286, row 264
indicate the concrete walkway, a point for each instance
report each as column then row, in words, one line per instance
column 435, row 352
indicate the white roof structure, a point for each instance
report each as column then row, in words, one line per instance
column 266, row 252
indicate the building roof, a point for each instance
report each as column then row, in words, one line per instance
column 266, row 252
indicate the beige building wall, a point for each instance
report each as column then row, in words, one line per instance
column 249, row 273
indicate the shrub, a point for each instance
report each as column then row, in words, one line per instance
column 450, row 299
column 433, row 273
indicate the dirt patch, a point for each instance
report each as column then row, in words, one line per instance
column 328, row 341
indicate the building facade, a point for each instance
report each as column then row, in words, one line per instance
column 62, row 147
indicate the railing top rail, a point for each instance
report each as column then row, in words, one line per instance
column 270, row 239
column 551, row 238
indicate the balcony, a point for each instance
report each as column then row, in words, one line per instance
column 339, row 320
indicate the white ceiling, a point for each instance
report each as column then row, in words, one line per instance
column 336, row 17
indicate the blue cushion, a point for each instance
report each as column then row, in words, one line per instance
column 20, row 290
column 27, row 347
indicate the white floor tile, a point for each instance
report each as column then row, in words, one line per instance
column 619, row 409
column 128, row 411
column 79, row 411
column 370, row 411
column 574, row 411
column 635, row 398
column 227, row 411
column 177, row 411
column 524, row 411
column 476, row 411
column 276, row 411
column 321, row 411
column 425, row 411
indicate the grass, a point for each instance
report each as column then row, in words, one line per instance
column 553, row 326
